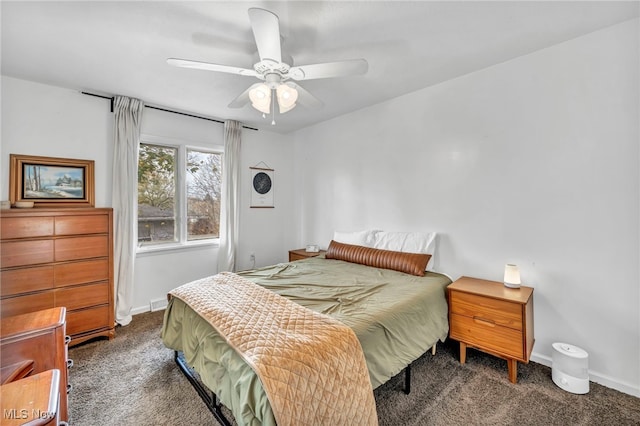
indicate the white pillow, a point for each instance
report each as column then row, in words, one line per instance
column 360, row 238
column 408, row 242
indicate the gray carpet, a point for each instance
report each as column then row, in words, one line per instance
column 133, row 380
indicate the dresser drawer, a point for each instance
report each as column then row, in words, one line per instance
column 76, row 225
column 27, row 280
column 26, row 227
column 27, row 303
column 487, row 335
column 82, row 297
column 88, row 320
column 500, row 312
column 85, row 271
column 81, row 248
column 22, row 253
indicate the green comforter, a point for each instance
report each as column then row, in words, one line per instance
column 397, row 317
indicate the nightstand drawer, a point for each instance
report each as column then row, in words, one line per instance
column 499, row 312
column 301, row 254
column 487, row 335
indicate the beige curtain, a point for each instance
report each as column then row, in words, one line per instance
column 127, row 118
column 230, row 202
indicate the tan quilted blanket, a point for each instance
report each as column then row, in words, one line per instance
column 311, row 366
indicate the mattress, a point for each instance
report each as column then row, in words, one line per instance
column 396, row 317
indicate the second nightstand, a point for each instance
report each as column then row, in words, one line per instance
column 495, row 319
column 300, row 254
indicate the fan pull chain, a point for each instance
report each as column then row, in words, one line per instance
column 273, row 101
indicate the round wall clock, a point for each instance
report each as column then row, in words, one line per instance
column 262, row 183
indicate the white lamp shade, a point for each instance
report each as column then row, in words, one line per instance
column 284, row 109
column 511, row 276
column 287, row 97
column 261, row 98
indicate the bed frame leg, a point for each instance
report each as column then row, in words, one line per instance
column 407, row 380
column 211, row 401
column 433, row 349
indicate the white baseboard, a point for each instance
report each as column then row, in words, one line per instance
column 140, row 310
column 596, row 377
column 154, row 305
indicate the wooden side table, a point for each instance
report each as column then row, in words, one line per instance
column 493, row 318
column 32, row 400
column 300, row 254
column 40, row 338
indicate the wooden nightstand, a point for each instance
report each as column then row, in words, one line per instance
column 32, row 400
column 303, row 254
column 495, row 319
column 39, row 337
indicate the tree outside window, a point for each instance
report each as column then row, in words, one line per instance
column 203, row 194
column 172, row 180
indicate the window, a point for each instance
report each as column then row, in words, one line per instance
column 178, row 194
column 203, row 194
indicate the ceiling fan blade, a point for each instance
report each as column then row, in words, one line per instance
column 243, row 98
column 329, row 69
column 305, row 98
column 266, row 31
column 185, row 63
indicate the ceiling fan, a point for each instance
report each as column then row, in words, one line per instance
column 274, row 73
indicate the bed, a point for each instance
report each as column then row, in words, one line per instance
column 396, row 317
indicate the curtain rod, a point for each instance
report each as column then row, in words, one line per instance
column 111, row 98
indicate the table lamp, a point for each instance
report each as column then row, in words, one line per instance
column 511, row 276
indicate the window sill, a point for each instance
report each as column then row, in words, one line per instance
column 167, row 248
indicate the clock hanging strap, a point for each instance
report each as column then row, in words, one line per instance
column 265, row 166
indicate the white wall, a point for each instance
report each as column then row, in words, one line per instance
column 48, row 121
column 39, row 119
column 534, row 161
column 268, row 233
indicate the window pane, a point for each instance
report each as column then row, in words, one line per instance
column 203, row 194
column 156, row 194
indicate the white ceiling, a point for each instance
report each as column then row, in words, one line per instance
column 121, row 47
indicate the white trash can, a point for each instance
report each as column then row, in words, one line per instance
column 570, row 368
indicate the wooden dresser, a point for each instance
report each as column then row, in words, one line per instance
column 495, row 319
column 59, row 257
column 38, row 337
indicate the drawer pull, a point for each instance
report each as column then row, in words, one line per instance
column 67, row 339
column 69, row 363
column 484, row 321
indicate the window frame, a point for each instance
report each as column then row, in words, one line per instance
column 182, row 241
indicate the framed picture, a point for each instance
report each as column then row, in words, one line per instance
column 50, row 181
column 261, row 188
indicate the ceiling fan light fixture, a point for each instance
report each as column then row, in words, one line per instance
column 262, row 108
column 260, row 97
column 287, row 97
column 273, row 69
column 284, row 109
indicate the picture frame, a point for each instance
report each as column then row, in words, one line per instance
column 262, row 184
column 51, row 181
